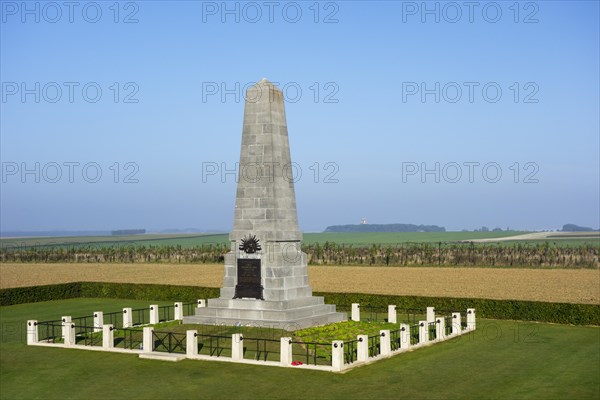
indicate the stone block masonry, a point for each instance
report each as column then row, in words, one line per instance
column 266, row 276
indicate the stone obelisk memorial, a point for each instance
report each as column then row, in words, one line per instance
column 266, row 276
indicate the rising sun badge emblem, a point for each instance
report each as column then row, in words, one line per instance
column 250, row 244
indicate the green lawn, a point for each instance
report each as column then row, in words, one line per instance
column 502, row 359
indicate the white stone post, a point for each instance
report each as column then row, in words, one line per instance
column 201, row 303
column 404, row 336
column 471, row 319
column 98, row 321
column 430, row 314
column 148, row 341
column 191, row 343
column 355, row 312
column 385, row 346
column 108, row 337
column 440, row 329
column 337, row 355
column 69, row 328
column 285, row 351
column 237, row 346
column 392, row 314
column 456, row 324
column 179, row 311
column 127, row 317
column 66, row 321
column 362, row 348
column 154, row 314
column 32, row 331
column 423, row 332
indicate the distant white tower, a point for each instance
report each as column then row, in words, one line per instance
column 363, row 221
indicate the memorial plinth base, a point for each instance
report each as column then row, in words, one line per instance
column 289, row 315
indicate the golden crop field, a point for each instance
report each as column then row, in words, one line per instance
column 556, row 285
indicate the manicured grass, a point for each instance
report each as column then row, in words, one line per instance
column 346, row 330
column 220, row 330
column 502, row 359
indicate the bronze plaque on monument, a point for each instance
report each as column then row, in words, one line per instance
column 248, row 279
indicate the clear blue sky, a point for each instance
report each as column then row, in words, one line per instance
column 373, row 61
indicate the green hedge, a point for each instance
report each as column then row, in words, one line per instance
column 146, row 292
column 561, row 313
column 34, row 294
column 134, row 291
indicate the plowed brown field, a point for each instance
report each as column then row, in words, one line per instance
column 569, row 286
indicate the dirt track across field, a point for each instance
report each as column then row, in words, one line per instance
column 540, row 236
column 560, row 285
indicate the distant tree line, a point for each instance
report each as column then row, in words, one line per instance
column 124, row 232
column 406, row 254
column 385, row 228
column 576, row 228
